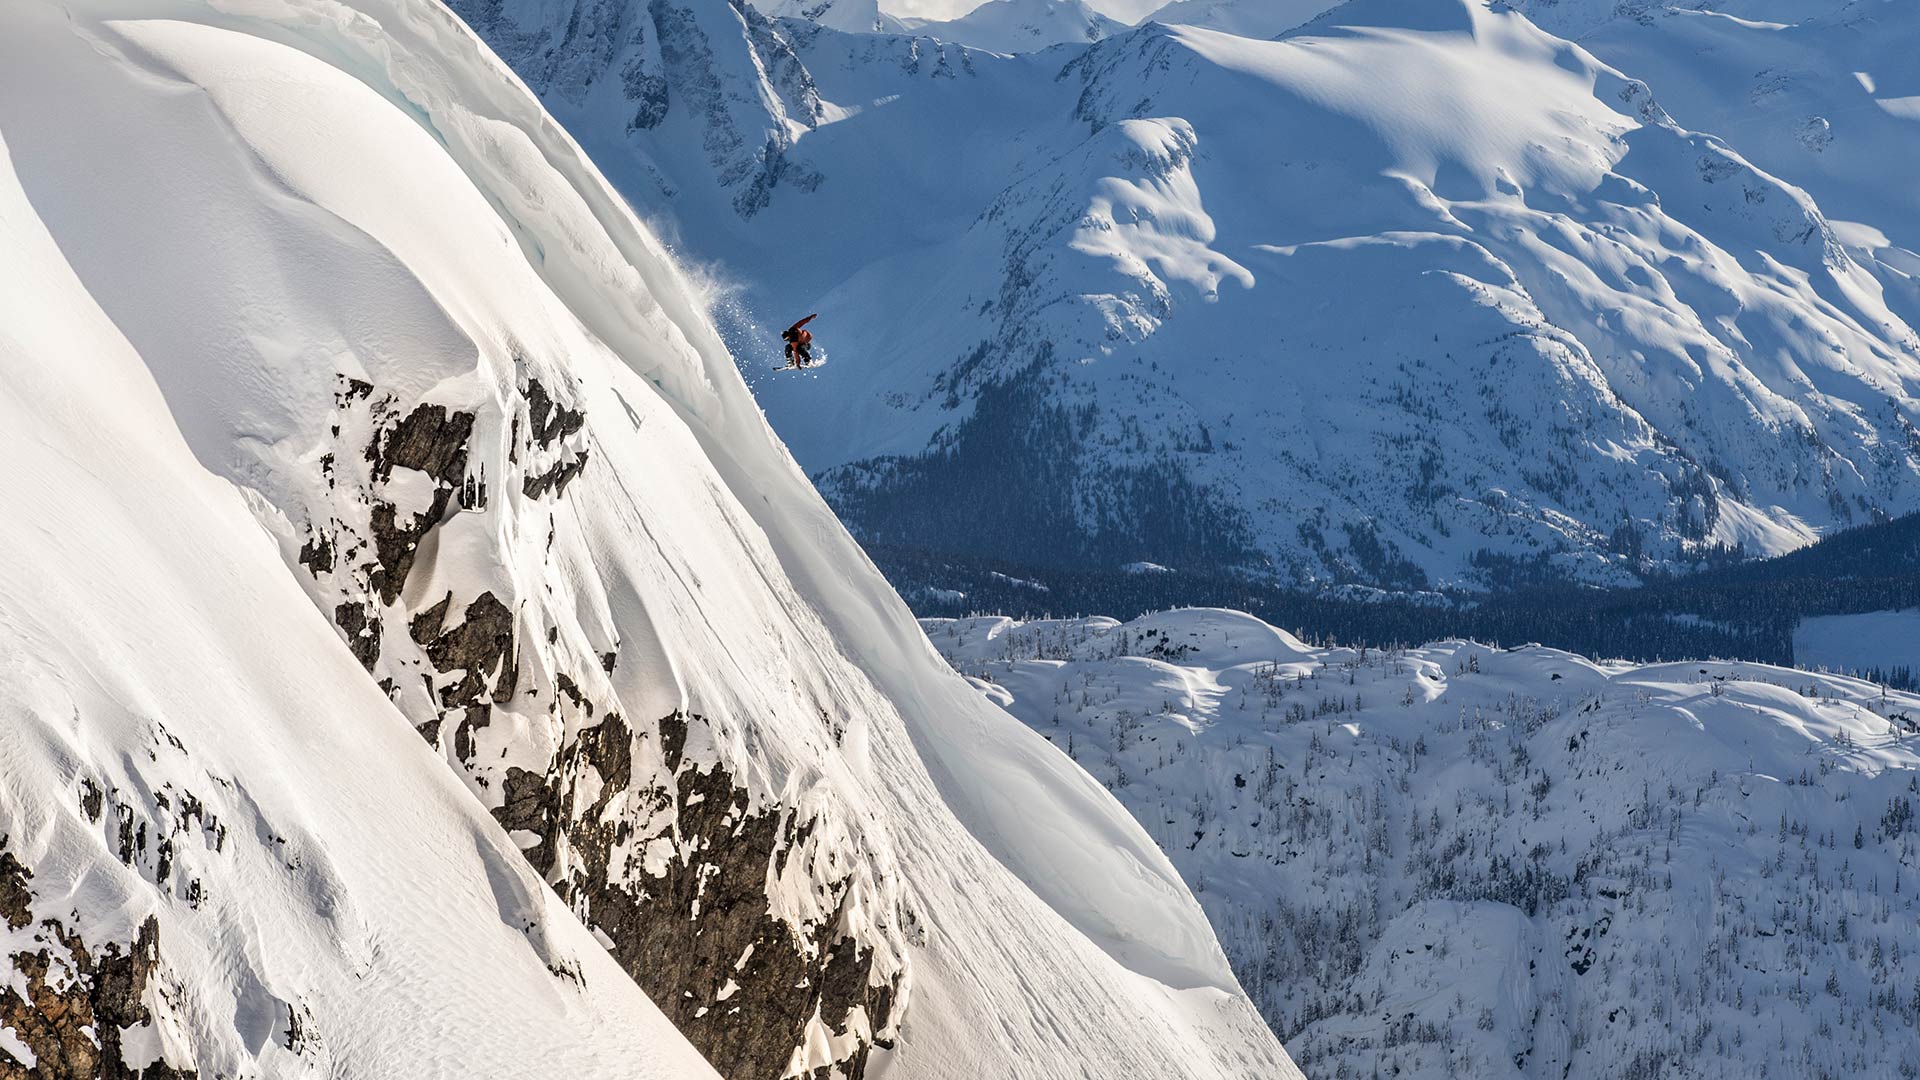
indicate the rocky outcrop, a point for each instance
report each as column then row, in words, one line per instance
column 479, row 653
column 746, row 986
column 548, row 424
column 430, row 440
column 757, row 920
column 69, row 1004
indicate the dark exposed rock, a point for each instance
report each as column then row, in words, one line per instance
column 478, row 648
column 394, row 545
column 78, row 999
column 427, row 625
column 475, row 718
column 572, row 691
column 549, row 422
column 530, row 806
column 362, row 628
column 555, row 479
column 673, row 739
column 431, row 440
column 649, row 93
column 15, row 900
column 317, row 554
column 698, row 933
column 700, row 937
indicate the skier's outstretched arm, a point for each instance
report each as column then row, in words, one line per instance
column 803, row 322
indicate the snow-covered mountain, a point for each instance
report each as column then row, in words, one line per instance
column 1418, row 294
column 1016, row 26
column 1822, row 93
column 1457, row 861
column 417, row 655
column 1245, row 18
column 856, row 16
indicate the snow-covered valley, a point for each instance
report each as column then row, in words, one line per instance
column 1417, row 295
column 419, row 658
column 1462, row 862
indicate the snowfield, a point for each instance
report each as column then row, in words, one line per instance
column 419, row 652
column 1454, row 861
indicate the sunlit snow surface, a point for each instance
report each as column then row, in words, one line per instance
column 214, row 214
column 1462, row 861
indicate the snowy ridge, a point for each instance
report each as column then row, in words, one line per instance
column 501, row 450
column 1361, row 342
column 1243, row 18
column 1457, row 861
column 1017, row 26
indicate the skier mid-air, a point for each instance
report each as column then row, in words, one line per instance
column 799, row 344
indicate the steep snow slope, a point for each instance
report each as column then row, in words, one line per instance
column 1418, row 294
column 345, row 260
column 220, row 848
column 1455, row 861
column 1823, row 94
column 1017, row 26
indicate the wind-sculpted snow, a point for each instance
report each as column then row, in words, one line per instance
column 353, row 422
column 1417, row 295
column 1460, row 861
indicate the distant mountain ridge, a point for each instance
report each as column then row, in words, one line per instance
column 1013, row 26
column 1222, row 304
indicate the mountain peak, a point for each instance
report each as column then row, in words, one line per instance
column 1021, row 26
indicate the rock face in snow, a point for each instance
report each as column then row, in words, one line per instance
column 421, row 657
column 1456, row 861
column 741, row 92
column 73, row 1007
column 1200, row 300
column 646, row 826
